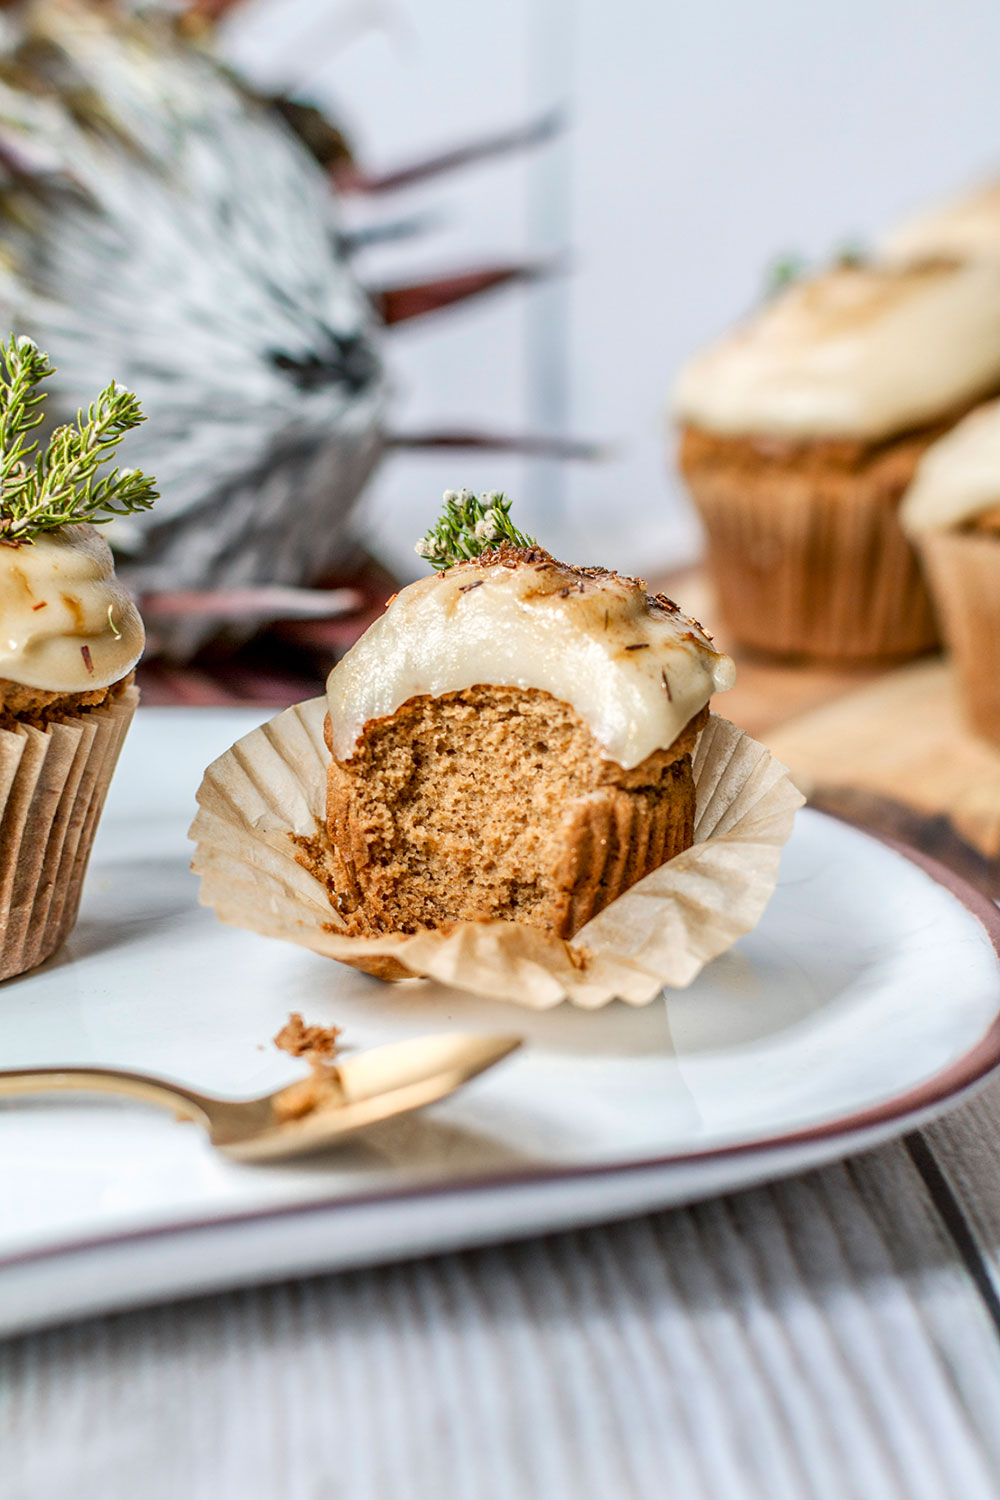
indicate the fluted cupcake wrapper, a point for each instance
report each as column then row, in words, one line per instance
column 804, row 571
column 964, row 571
column 53, row 782
column 270, row 788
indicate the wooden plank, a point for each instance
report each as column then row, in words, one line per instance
column 818, row 1338
column 966, row 1148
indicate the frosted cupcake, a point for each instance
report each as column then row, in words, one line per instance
column 512, row 739
column 70, row 637
column 802, row 430
column 512, row 786
column 952, row 510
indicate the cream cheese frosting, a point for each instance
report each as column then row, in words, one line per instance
column 66, row 624
column 967, row 227
column 635, row 669
column 958, row 477
column 859, row 351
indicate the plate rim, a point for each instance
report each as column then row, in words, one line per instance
column 934, row 1093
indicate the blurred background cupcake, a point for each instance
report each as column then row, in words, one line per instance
column 802, row 429
column 952, row 510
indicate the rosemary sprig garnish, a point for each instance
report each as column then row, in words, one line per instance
column 467, row 525
column 41, row 490
column 789, row 268
column 782, row 272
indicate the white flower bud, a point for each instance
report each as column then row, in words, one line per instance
column 25, row 344
column 422, row 549
column 450, row 497
column 485, row 529
column 465, row 496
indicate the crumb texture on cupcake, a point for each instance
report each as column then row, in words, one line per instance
column 512, row 741
column 25, row 705
column 498, row 802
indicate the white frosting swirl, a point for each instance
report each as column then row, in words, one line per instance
column 958, row 477
column 967, row 228
column 66, row 624
column 860, row 351
column 634, row 671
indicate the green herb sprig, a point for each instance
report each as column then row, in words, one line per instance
column 792, row 267
column 782, row 272
column 467, row 525
column 41, row 490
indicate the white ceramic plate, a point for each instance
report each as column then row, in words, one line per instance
column 867, row 999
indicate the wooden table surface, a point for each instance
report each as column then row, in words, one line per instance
column 836, row 1336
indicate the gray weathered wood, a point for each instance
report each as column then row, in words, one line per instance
column 818, row 1338
column 966, row 1146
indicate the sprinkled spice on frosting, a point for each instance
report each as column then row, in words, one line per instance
column 67, row 626
column 630, row 663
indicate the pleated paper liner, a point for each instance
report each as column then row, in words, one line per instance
column 807, row 566
column 53, row 782
column 964, row 571
column 271, row 787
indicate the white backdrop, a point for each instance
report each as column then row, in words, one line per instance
column 705, row 139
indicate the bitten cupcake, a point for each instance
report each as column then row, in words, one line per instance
column 70, row 637
column 952, row 510
column 801, row 432
column 512, row 739
column 513, row 785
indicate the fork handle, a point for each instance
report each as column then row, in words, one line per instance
column 149, row 1090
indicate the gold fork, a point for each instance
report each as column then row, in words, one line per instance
column 352, row 1094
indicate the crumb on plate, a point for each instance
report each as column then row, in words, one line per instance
column 308, row 1041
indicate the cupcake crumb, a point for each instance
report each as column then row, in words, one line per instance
column 322, row 1087
column 310, row 1042
column 317, row 1044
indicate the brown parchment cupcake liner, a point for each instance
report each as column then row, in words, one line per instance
column 804, row 567
column 53, row 782
column 964, row 572
column 270, row 788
